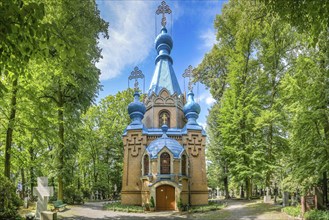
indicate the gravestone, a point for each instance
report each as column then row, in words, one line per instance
column 309, row 202
column 320, row 197
column 217, row 189
column 26, row 202
column 285, row 199
column 267, row 197
column 293, row 200
column 43, row 192
column 241, row 192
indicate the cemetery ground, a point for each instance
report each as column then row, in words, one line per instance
column 235, row 209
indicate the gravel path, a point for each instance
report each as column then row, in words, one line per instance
column 236, row 210
column 246, row 210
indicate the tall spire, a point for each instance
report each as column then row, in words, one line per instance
column 164, row 75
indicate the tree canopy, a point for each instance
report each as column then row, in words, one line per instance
column 270, row 84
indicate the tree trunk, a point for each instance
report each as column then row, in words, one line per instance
column 23, row 182
column 60, row 112
column 32, row 179
column 325, row 177
column 10, row 129
column 325, row 189
column 225, row 180
column 248, row 188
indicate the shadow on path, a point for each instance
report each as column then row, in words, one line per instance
column 236, row 210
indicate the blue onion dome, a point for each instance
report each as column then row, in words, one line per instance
column 136, row 109
column 191, row 105
column 158, row 144
column 191, row 109
column 163, row 41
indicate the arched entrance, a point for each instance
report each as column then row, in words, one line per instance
column 165, row 197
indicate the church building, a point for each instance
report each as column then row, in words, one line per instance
column 164, row 146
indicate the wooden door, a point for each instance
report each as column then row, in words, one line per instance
column 165, row 198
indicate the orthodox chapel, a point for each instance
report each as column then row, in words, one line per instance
column 164, row 146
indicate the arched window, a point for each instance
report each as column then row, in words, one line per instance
column 184, row 165
column 146, row 165
column 164, row 118
column 165, row 163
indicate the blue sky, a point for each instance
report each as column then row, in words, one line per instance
column 133, row 28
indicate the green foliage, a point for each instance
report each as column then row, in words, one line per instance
column 180, row 204
column 152, row 204
column 309, row 17
column 100, row 154
column 305, row 94
column 212, row 206
column 73, row 195
column 294, row 211
column 117, row 206
column 270, row 122
column 316, row 215
column 9, row 201
column 48, row 79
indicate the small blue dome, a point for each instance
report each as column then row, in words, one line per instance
column 136, row 109
column 163, row 39
column 158, row 144
column 191, row 105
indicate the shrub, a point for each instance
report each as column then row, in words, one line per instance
column 117, row 206
column 316, row 215
column 292, row 210
column 9, row 201
column 152, row 204
column 180, row 205
column 73, row 195
column 212, row 206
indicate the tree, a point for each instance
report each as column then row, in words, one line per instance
column 71, row 80
column 57, row 52
column 244, row 69
column 306, row 94
column 309, row 17
column 21, row 36
column 102, row 143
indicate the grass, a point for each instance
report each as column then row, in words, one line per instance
column 294, row 211
column 117, row 206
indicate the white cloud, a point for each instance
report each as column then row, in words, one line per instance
column 131, row 36
column 207, row 98
column 210, row 100
column 204, row 125
column 208, row 38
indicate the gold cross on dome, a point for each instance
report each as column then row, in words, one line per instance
column 164, row 118
column 135, row 74
column 163, row 9
column 189, row 73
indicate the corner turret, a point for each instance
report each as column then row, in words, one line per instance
column 191, row 109
column 136, row 110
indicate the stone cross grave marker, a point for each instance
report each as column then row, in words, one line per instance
column 267, row 197
column 43, row 192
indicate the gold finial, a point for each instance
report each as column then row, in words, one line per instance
column 163, row 9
